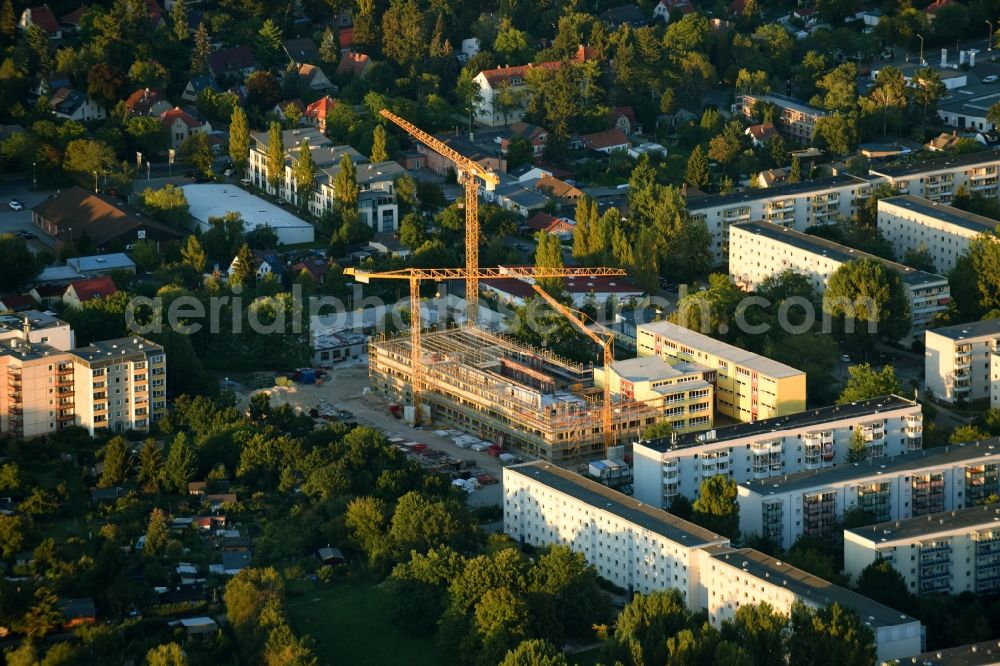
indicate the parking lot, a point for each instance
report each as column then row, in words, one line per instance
column 346, row 387
column 19, row 221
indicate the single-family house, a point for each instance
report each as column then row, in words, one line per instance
column 330, row 556
column 48, row 294
column 281, row 109
column 550, row 224
column 43, row 17
column 237, row 61
column 196, row 84
column 72, row 104
column 147, row 102
column 943, row 142
column 301, row 50
column 316, row 268
column 217, row 500
column 197, row 628
column 197, row 488
column 313, row 77
column 563, row 192
column 316, row 113
column 607, row 141
column 353, row 63
column 761, row 134
column 664, row 8
column 17, row 302
column 519, row 199
column 89, row 289
column 771, row 177
column 536, row 136
column 266, row 262
column 623, row 118
column 616, row 17
column 389, row 246
column 181, row 125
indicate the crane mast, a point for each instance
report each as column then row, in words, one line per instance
column 473, row 171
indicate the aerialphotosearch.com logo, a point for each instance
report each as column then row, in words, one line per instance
column 292, row 312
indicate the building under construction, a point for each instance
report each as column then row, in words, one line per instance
column 523, row 398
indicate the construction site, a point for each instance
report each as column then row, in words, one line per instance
column 507, row 393
column 511, row 395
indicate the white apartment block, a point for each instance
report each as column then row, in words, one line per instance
column 939, row 179
column 811, row 440
column 748, row 386
column 795, row 205
column 644, row 549
column 759, row 250
column 635, row 546
column 746, row 576
column 915, row 484
column 377, row 206
column 914, row 223
column 942, row 553
column 958, row 360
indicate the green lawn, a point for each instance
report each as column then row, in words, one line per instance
column 350, row 623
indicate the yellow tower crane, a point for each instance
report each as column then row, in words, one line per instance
column 607, row 345
column 415, row 275
column 473, row 172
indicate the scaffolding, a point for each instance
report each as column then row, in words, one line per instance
column 508, row 393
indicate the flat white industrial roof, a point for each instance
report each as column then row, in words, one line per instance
column 212, row 200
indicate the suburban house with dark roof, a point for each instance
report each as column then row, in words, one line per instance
column 301, row 50
column 624, row 15
column 42, row 17
column 75, row 105
column 490, row 81
column 89, row 289
column 236, row 61
column 76, row 213
column 181, row 125
column 196, row 84
column 71, row 22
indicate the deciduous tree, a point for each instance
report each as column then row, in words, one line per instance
column 274, row 158
column 239, row 139
column 716, row 507
column 18, row 264
column 866, row 382
column 379, row 152
column 865, row 293
column 304, row 173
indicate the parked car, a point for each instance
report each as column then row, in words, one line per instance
column 16, row 204
column 846, row 358
column 992, row 78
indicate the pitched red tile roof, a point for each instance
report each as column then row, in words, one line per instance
column 352, row 62
column 500, row 74
column 320, row 108
column 142, row 100
column 763, row 132
column 91, row 288
column 626, row 111
column 548, row 223
column 606, row 139
column 44, row 19
column 167, row 118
